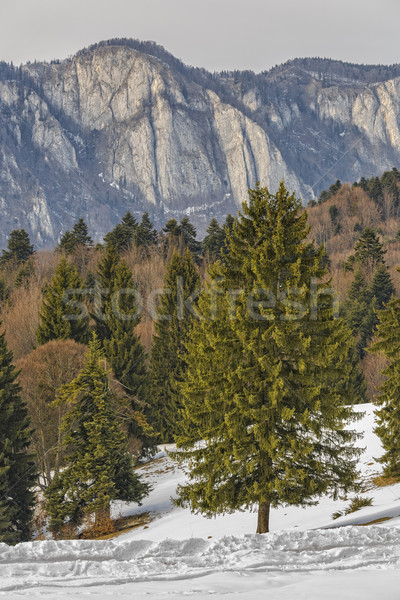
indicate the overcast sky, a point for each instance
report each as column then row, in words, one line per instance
column 216, row 34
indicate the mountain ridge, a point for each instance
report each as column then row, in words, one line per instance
column 124, row 125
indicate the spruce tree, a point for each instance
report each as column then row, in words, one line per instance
column 105, row 278
column 369, row 248
column 79, row 236
column 17, row 467
column 214, row 241
column 116, row 317
column 382, row 287
column 269, row 383
column 81, row 233
column 19, row 248
column 388, row 415
column 188, row 233
column 146, row 235
column 60, row 318
column 364, row 301
column 98, row 468
column 172, row 330
column 123, row 234
column 123, row 347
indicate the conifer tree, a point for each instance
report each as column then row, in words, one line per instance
column 369, row 248
column 123, row 234
column 116, row 318
column 388, row 415
column 81, row 233
column 172, row 230
column 60, row 317
column 17, row 467
column 105, row 278
column 171, row 236
column 228, row 225
column 123, row 347
column 363, row 303
column 67, row 243
column 98, row 468
column 146, row 235
column 19, row 248
column 269, row 385
column 188, row 233
column 167, row 364
column 79, row 236
column 214, row 241
column 382, row 287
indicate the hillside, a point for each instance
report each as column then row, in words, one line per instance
column 307, row 555
column 125, row 125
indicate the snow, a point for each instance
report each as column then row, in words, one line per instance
column 307, row 556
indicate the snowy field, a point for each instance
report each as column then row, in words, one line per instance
column 307, row 556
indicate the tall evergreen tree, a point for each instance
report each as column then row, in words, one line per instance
column 188, row 233
column 269, row 385
column 105, row 278
column 123, row 234
column 146, row 234
column 79, row 236
column 382, row 287
column 116, row 318
column 17, row 467
column 81, row 233
column 123, row 347
column 62, row 315
column 19, row 248
column 369, row 248
column 99, row 468
column 172, row 329
column 388, row 415
column 214, row 241
column 364, row 301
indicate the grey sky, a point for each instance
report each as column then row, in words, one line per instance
column 216, row 34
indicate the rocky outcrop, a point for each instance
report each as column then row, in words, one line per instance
column 115, row 128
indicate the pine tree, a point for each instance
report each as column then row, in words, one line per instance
column 363, row 303
column 228, row 225
column 123, row 347
column 99, row 468
column 172, row 230
column 388, row 415
column 172, row 329
column 60, row 317
column 19, row 248
column 268, row 388
column 382, row 287
column 358, row 302
column 146, row 235
column 105, row 278
column 188, row 233
column 214, row 241
column 123, row 234
column 79, row 236
column 369, row 248
column 116, row 318
column 17, row 467
column 81, row 233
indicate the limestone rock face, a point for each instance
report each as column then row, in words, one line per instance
column 125, row 127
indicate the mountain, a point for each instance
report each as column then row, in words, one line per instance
column 124, row 125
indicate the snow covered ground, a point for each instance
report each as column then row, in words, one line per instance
column 306, row 556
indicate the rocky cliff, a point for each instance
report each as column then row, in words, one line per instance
column 125, row 125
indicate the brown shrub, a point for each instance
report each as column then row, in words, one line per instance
column 43, row 372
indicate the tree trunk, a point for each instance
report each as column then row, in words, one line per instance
column 263, row 517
